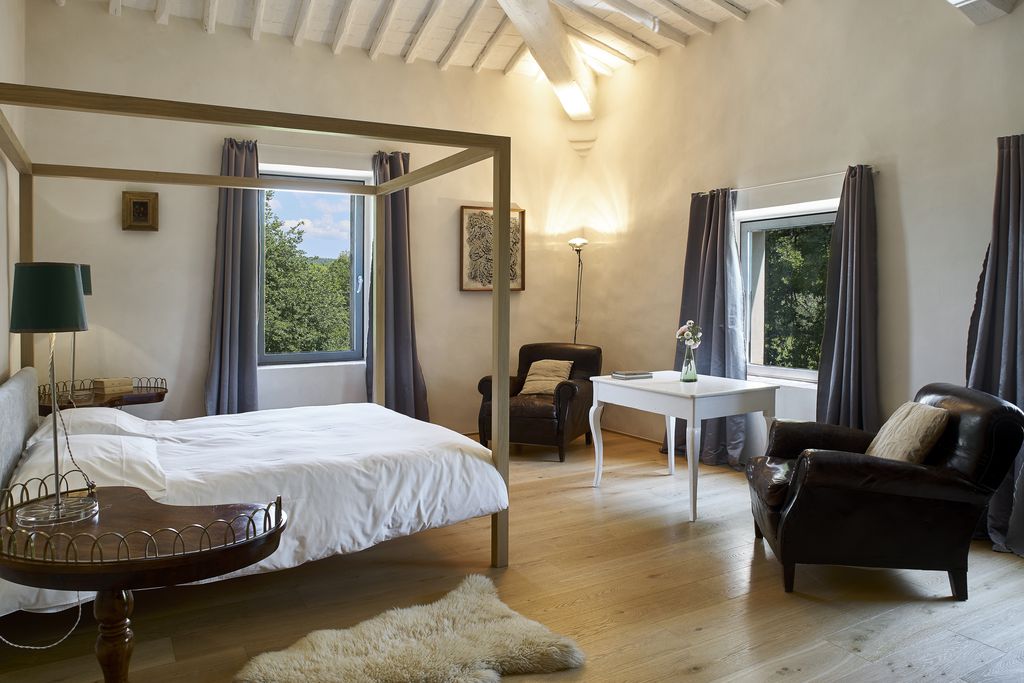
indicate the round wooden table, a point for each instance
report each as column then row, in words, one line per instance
column 135, row 542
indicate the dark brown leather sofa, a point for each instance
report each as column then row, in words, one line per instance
column 547, row 420
column 818, row 499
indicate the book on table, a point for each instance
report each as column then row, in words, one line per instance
column 632, row 374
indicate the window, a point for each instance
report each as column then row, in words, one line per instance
column 311, row 274
column 785, row 269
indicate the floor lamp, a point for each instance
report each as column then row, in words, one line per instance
column 48, row 298
column 577, row 244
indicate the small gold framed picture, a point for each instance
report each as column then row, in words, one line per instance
column 140, row 211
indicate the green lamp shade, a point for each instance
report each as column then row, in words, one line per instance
column 86, row 278
column 48, row 297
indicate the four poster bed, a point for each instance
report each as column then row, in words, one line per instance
column 364, row 473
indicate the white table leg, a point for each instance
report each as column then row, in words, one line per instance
column 670, row 440
column 692, row 461
column 769, row 418
column 595, row 430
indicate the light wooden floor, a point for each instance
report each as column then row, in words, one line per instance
column 649, row 596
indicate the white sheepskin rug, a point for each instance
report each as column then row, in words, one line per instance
column 468, row 636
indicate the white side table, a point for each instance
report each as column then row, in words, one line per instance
column 707, row 398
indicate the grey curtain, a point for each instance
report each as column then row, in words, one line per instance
column 234, row 329
column 713, row 298
column 848, row 371
column 405, row 390
column 996, row 333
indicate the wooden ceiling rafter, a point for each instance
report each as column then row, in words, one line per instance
column 302, row 22
column 460, row 34
column 573, row 40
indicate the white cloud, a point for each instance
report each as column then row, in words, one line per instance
column 323, row 226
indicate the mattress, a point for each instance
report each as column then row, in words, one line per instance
column 351, row 476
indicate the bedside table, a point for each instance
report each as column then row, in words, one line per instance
column 144, row 390
column 134, row 543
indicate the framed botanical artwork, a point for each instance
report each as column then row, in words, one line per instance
column 140, row 211
column 476, row 260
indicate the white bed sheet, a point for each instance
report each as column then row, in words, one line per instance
column 350, row 476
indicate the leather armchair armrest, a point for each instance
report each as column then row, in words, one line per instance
column 515, row 385
column 859, row 472
column 790, row 438
column 572, row 389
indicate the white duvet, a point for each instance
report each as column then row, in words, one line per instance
column 350, row 476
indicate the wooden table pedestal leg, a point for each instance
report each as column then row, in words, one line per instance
column 113, row 609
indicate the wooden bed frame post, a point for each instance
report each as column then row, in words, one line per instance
column 14, row 151
column 26, row 235
column 379, row 299
column 500, row 341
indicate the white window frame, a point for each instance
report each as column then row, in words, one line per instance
column 743, row 237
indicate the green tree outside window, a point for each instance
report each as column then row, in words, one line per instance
column 796, row 272
column 307, row 299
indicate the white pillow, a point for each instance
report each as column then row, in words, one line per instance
column 91, row 421
column 910, row 434
column 108, row 459
column 544, row 376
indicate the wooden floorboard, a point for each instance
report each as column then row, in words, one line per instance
column 649, row 596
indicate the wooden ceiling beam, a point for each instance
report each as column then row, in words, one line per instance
column 162, row 13
column 732, row 8
column 650, row 22
column 382, row 28
column 302, row 22
column 543, row 31
column 492, row 42
column 460, row 34
column 605, row 25
column 210, row 15
column 344, row 26
column 695, row 21
column 600, row 45
column 259, row 6
column 423, row 32
column 516, row 57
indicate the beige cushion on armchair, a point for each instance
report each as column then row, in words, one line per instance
column 910, row 434
column 545, row 375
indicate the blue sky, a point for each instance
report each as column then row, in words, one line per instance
column 327, row 219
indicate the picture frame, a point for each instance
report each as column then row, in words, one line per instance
column 476, row 225
column 140, row 211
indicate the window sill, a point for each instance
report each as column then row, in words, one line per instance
column 784, row 382
column 329, row 364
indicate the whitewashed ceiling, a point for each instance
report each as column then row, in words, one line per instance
column 606, row 34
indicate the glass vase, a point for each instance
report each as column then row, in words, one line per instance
column 689, row 371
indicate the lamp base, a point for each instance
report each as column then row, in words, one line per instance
column 45, row 512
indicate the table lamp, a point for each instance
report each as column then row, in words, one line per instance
column 577, row 244
column 48, row 297
column 86, row 271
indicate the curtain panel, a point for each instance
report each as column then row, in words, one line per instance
column 405, row 390
column 996, row 332
column 713, row 298
column 234, row 327
column 848, row 370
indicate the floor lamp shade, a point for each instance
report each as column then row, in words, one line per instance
column 48, row 297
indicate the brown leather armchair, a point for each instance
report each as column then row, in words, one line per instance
column 547, row 420
column 818, row 499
